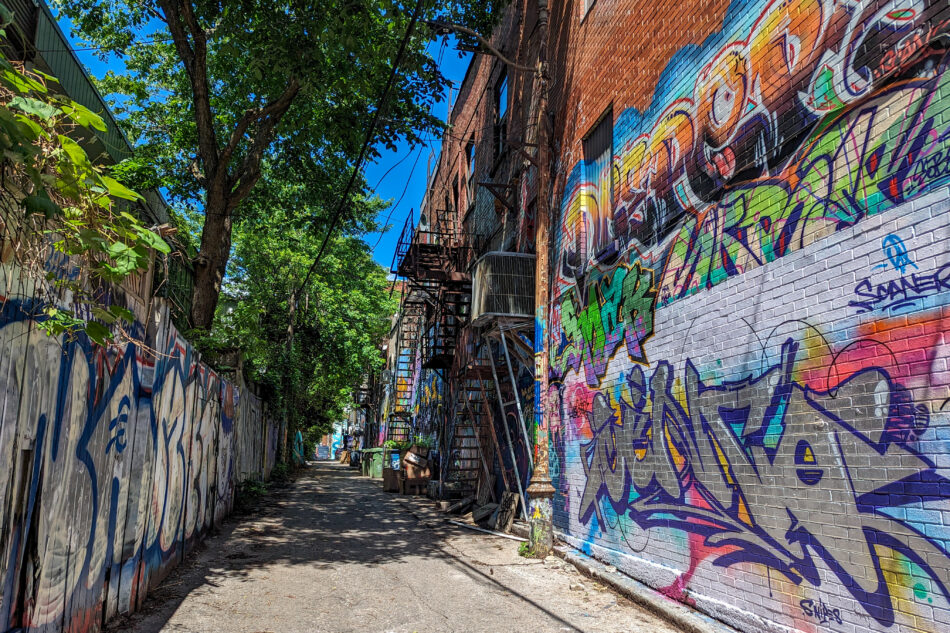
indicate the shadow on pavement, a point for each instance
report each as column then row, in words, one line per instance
column 329, row 517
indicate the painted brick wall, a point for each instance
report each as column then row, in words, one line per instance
column 750, row 390
column 113, row 463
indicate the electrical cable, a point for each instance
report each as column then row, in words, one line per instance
column 394, row 166
column 392, row 209
column 366, row 143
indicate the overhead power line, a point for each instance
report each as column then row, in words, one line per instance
column 392, row 209
column 370, row 133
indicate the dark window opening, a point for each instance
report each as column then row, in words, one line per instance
column 598, row 194
column 501, row 111
column 470, row 158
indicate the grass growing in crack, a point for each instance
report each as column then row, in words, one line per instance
column 525, row 550
column 249, row 495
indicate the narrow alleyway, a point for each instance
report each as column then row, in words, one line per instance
column 334, row 553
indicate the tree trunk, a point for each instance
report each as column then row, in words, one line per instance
column 211, row 262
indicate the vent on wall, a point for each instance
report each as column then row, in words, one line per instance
column 503, row 286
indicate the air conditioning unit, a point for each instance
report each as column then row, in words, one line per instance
column 503, row 286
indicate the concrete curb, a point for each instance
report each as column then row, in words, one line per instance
column 675, row 613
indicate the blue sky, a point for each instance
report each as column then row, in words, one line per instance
column 398, row 175
column 403, row 177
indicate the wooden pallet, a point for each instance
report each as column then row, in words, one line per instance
column 414, row 486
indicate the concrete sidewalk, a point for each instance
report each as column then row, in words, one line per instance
column 334, row 553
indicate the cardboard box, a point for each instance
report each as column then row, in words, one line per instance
column 416, row 472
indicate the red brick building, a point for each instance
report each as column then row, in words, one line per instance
column 749, row 363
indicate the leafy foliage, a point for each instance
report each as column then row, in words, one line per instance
column 216, row 94
column 341, row 316
column 248, row 115
column 55, row 197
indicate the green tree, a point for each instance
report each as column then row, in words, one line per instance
column 216, row 93
column 341, row 317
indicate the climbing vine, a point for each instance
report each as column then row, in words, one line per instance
column 57, row 204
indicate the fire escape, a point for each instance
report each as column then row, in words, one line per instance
column 434, row 305
column 366, row 396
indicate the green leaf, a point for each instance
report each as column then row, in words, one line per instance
column 154, row 241
column 77, row 155
column 18, row 82
column 40, row 202
column 32, row 129
column 84, row 116
column 50, row 78
column 118, row 190
column 122, row 313
column 103, row 315
column 98, row 333
column 118, row 249
column 37, row 108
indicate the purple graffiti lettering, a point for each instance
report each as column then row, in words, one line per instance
column 701, row 467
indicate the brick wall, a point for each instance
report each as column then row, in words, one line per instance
column 750, row 391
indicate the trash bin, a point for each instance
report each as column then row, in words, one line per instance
column 373, row 462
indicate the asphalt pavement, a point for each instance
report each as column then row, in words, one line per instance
column 333, row 553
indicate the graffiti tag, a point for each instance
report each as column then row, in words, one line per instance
column 903, row 293
column 618, row 308
column 822, row 612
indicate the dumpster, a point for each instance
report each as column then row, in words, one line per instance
column 373, row 462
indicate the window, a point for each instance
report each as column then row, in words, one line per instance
column 598, row 194
column 501, row 111
column 501, row 96
column 470, row 157
column 455, row 195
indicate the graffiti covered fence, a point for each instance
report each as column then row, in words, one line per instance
column 113, row 462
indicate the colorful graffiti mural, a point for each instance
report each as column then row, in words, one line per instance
column 745, row 165
column 429, row 402
column 760, row 437
column 113, row 464
column 769, row 407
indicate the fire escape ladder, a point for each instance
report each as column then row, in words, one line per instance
column 471, row 430
column 410, row 325
column 465, row 457
column 447, row 317
column 504, row 426
column 404, row 242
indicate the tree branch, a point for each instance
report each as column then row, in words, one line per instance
column 250, row 171
column 277, row 108
column 194, row 54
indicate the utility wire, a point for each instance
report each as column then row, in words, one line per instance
column 113, row 49
column 392, row 209
column 394, row 166
column 366, row 143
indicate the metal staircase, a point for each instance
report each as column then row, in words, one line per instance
column 410, row 324
column 446, row 319
column 470, row 432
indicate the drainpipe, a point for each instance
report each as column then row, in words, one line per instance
column 540, row 491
